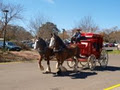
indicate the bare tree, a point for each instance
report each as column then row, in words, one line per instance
column 87, row 24
column 13, row 14
column 111, row 35
column 35, row 23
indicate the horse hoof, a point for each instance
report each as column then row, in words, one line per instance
column 41, row 68
column 47, row 72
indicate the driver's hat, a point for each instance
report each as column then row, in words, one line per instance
column 79, row 29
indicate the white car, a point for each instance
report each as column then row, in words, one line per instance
column 118, row 46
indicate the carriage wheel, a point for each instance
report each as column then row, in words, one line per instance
column 71, row 63
column 92, row 61
column 84, row 64
column 103, row 61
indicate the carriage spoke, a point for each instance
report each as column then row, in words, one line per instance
column 92, row 61
column 103, row 61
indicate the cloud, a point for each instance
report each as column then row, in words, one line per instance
column 51, row 1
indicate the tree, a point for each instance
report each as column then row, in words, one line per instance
column 35, row 23
column 64, row 35
column 87, row 24
column 46, row 29
column 17, row 33
column 111, row 35
column 14, row 13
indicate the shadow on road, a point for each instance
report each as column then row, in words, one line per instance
column 83, row 75
column 108, row 68
column 73, row 75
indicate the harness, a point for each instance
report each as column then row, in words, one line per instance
column 58, row 50
column 42, row 51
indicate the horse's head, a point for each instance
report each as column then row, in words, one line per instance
column 56, row 42
column 52, row 41
column 39, row 44
column 35, row 44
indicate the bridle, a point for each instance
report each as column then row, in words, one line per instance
column 55, row 45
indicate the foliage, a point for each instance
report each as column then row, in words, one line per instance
column 111, row 35
column 64, row 35
column 17, row 33
column 46, row 29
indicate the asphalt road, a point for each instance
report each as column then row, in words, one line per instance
column 27, row 76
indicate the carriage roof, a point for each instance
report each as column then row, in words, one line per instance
column 91, row 35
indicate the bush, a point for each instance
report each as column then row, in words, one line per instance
column 23, row 46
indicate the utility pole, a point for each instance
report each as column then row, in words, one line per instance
column 5, row 26
column 63, row 33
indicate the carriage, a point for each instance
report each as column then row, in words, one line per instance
column 87, row 52
column 91, row 51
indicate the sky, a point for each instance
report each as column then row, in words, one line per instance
column 67, row 13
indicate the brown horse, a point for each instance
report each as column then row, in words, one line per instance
column 62, row 52
column 45, row 53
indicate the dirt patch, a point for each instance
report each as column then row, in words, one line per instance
column 19, row 56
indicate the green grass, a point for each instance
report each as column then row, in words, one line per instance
column 114, row 52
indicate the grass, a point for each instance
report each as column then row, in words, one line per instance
column 114, row 52
column 12, row 57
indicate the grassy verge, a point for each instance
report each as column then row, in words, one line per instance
column 13, row 56
column 114, row 52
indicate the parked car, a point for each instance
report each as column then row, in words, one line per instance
column 105, row 45
column 118, row 46
column 109, row 45
column 10, row 46
column 28, row 43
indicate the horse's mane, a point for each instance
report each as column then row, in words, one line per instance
column 58, row 39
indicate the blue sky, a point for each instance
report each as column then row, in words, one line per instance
column 67, row 13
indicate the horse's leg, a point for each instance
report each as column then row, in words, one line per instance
column 76, row 64
column 58, row 64
column 62, row 68
column 40, row 65
column 57, row 67
column 48, row 66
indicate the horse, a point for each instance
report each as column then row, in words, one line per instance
column 45, row 53
column 63, row 52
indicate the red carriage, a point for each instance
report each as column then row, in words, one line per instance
column 91, row 51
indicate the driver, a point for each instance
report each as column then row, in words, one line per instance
column 76, row 36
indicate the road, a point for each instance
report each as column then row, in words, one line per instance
column 27, row 76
